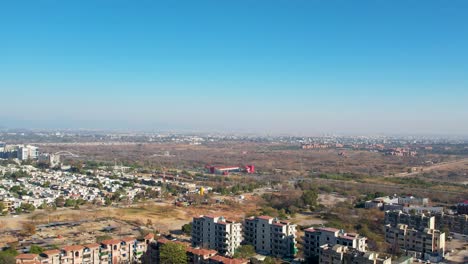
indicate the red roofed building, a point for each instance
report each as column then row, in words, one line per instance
column 50, row 256
column 27, row 259
column 224, row 260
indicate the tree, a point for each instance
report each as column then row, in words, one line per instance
column 7, row 256
column 269, row 260
column 60, row 201
column 245, row 252
column 28, row 228
column 2, row 208
column 187, row 229
column 35, row 249
column 173, row 253
column 309, row 197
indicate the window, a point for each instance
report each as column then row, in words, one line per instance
column 77, row 254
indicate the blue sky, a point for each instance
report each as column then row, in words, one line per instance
column 292, row 66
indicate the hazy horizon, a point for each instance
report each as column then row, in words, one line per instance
column 270, row 67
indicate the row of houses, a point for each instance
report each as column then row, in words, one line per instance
column 123, row 251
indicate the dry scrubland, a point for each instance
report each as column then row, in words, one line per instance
column 267, row 157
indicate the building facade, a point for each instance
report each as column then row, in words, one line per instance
column 314, row 238
column 216, row 233
column 425, row 244
column 271, row 236
column 339, row 254
column 417, row 221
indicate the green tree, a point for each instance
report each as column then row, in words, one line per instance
column 309, row 197
column 7, row 256
column 2, row 208
column 173, row 253
column 269, row 260
column 245, row 252
column 187, row 229
column 70, row 203
column 35, row 249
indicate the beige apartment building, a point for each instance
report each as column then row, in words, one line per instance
column 216, row 233
column 425, row 244
column 122, row 251
column 271, row 236
column 314, row 238
column 339, row 254
column 416, row 221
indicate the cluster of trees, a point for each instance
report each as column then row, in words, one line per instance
column 62, row 202
column 7, row 255
column 237, row 188
column 303, row 196
column 17, row 175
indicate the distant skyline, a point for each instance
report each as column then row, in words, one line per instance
column 269, row 67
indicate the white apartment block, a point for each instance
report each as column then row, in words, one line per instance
column 216, row 233
column 271, row 236
column 425, row 244
column 314, row 238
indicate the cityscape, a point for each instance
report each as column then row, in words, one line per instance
column 233, row 132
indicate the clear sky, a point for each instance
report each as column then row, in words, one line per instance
column 289, row 66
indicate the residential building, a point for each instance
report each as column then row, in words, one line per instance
column 52, row 257
column 314, row 238
column 418, row 221
column 424, row 244
column 271, row 236
column 339, row 254
column 224, row 260
column 216, row 233
column 462, row 207
column 457, row 223
column 411, row 200
column 27, row 259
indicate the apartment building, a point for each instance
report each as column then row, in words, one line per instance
column 454, row 223
column 122, row 251
column 216, row 233
column 314, row 238
column 462, row 207
column 51, row 257
column 425, row 244
column 416, row 221
column 339, row 254
column 413, row 200
column 271, row 236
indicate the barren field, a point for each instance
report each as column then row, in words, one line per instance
column 267, row 157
